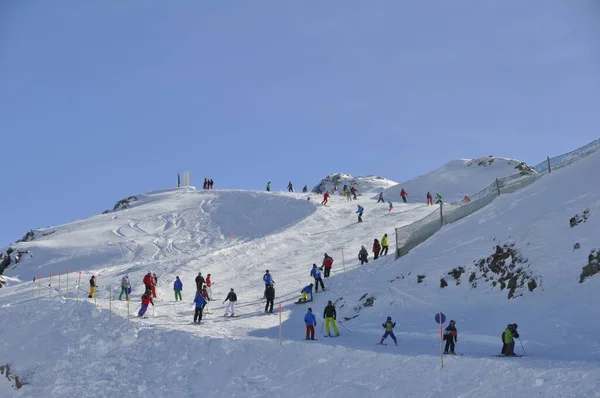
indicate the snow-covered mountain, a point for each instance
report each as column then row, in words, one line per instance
column 534, row 246
column 458, row 178
column 364, row 184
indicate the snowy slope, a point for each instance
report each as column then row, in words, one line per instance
column 456, row 179
column 364, row 185
column 93, row 356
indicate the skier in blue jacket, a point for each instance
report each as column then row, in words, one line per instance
column 306, row 292
column 316, row 273
column 200, row 303
column 311, row 321
column 268, row 280
column 178, row 287
column 360, row 213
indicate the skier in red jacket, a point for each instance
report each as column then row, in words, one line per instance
column 325, row 198
column 146, row 300
column 327, row 264
column 403, row 194
column 148, row 282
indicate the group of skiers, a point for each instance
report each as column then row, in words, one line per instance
column 208, row 183
column 438, row 199
column 329, row 316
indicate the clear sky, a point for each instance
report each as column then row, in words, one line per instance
column 103, row 99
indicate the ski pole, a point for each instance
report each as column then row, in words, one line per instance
column 524, row 353
column 322, row 323
column 344, row 326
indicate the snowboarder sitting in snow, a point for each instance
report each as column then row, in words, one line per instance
column 508, row 342
column 376, row 249
column 306, row 292
column 329, row 315
column 200, row 302
column 316, row 274
column 327, row 264
column 360, row 212
column 232, row 297
column 177, row 287
column 362, row 255
column 384, row 245
column 311, row 321
column 451, row 337
column 389, row 330
column 146, row 299
column 270, row 295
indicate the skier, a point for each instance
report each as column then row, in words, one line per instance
column 154, row 283
column 391, row 207
column 146, row 299
column 345, row 189
column 389, row 330
column 178, row 287
column 200, row 303
column 305, row 189
column 508, row 342
column 376, row 249
column 384, row 245
column 211, row 183
column 327, row 264
column 363, row 255
column 403, row 194
column 451, row 337
column 204, row 293
column 208, row 287
column 232, row 297
column 311, row 321
column 199, row 281
column 429, row 199
column 348, row 196
column 316, row 274
column 148, row 282
column 380, row 198
column 438, row 199
column 466, row 199
column 270, row 295
column 329, row 315
column 353, row 191
column 290, row 187
column 305, row 293
column 205, row 185
column 325, row 198
column 268, row 280
column 269, row 186
column 360, row 213
column 125, row 286
column 92, row 286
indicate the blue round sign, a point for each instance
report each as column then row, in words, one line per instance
column 437, row 317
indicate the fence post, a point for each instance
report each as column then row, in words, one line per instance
column 549, row 168
column 109, row 303
column 441, row 214
column 498, row 186
column 50, row 286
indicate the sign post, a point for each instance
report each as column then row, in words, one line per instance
column 441, row 318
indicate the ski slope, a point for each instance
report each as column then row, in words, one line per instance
column 63, row 346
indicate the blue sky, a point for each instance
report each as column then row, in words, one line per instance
column 103, row 99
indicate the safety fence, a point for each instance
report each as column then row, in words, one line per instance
column 410, row 236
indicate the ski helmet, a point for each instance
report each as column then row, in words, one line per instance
column 515, row 325
column 267, row 271
column 452, row 321
column 389, row 318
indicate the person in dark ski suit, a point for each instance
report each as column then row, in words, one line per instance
column 429, row 199
column 403, row 194
column 353, row 191
column 311, row 321
column 329, row 315
column 360, row 212
column 376, row 249
column 290, row 187
column 316, row 274
column 451, row 337
column 270, row 296
column 146, row 300
column 232, row 297
column 325, row 198
column 384, row 245
column 211, row 183
column 363, row 255
column 269, row 186
column 380, row 198
column 205, row 185
column 508, row 342
column 327, row 264
column 92, row 286
column 305, row 189
column 200, row 302
column 389, row 330
column 199, row 281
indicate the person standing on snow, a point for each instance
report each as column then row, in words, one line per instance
column 451, row 337
column 146, row 300
column 148, row 282
column 199, row 281
column 268, row 280
column 353, row 191
column 363, row 255
column 384, row 245
column 311, row 321
column 329, row 315
column 403, row 194
column 305, row 189
column 125, row 286
column 290, row 187
column 380, row 198
column 270, row 295
column 508, row 342
column 154, row 283
column 327, row 264
column 92, row 286
column 325, row 198
column 360, row 212
column 269, row 186
column 391, row 207
column 200, row 303
column 438, row 199
column 208, row 287
column 376, row 249
column 389, row 330
column 316, row 274
column 178, row 287
column 306, row 292
column 232, row 298
column 429, row 199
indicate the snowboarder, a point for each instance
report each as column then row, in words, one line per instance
column 380, row 198
column 305, row 293
column 316, row 274
column 154, row 283
column 208, row 287
column 125, row 286
column 325, row 198
column 363, row 255
column 311, row 321
column 148, row 282
column 389, row 330
column 451, row 337
column 199, row 281
column 270, row 295
column 327, row 264
column 429, row 199
column 146, row 299
column 232, row 297
column 390, row 206
column 92, row 286
column 269, row 186
column 290, row 187
column 329, row 315
column 508, row 342
column 438, row 199
column 403, row 194
column 384, row 245
column 376, row 249
column 200, row 303
column 353, row 191
column 360, row 212
column 178, row 287
column 305, row 189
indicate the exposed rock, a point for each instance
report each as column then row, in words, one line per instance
column 578, row 219
column 443, row 283
column 364, row 301
column 420, row 278
column 16, row 382
column 122, row 204
column 592, row 267
column 456, row 273
column 576, row 246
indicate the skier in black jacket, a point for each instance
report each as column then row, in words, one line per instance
column 451, row 337
column 329, row 315
column 232, row 297
column 199, row 281
column 270, row 295
column 362, row 255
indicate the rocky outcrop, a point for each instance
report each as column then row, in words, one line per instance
column 579, row 218
column 122, row 204
column 592, row 267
